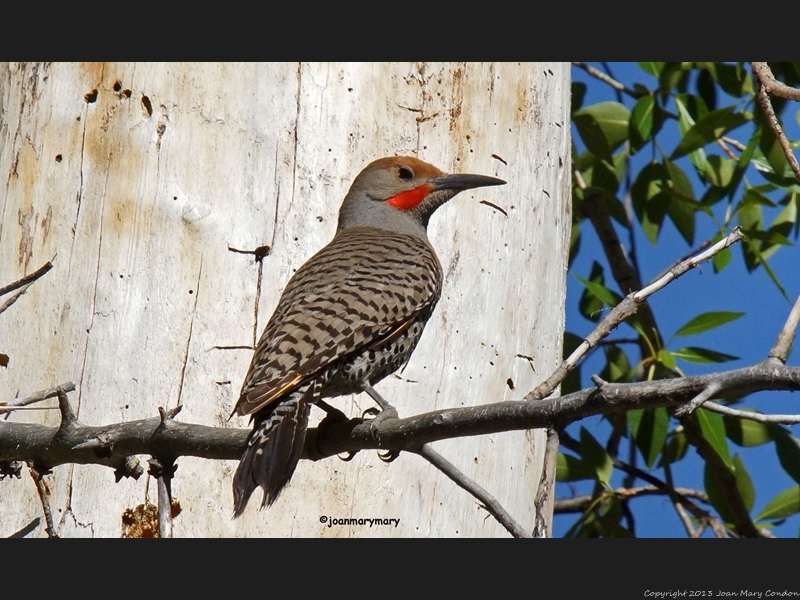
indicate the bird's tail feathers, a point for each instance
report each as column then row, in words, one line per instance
column 273, row 449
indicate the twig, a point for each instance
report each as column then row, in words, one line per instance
column 783, row 344
column 763, row 74
column 727, row 150
column 698, row 400
column 487, row 500
column 28, row 279
column 44, row 494
column 752, row 416
column 687, row 521
column 606, row 79
column 52, row 392
column 544, row 494
column 735, row 236
column 581, row 503
column 163, row 469
column 628, row 306
column 7, row 304
column 163, row 475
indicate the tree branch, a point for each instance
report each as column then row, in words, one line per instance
column 487, row 500
column 766, row 84
column 606, row 79
column 764, row 75
column 28, row 279
column 629, row 305
column 581, row 503
column 783, row 344
column 111, row 445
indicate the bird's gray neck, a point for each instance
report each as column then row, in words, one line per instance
column 381, row 215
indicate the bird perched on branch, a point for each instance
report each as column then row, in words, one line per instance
column 350, row 316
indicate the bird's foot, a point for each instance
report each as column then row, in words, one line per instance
column 387, row 413
column 333, row 416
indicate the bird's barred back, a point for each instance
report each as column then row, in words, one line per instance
column 356, row 291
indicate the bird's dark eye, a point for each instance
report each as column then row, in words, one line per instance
column 405, row 173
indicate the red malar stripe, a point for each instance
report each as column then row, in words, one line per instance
column 409, row 199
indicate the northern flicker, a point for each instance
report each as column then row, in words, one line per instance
column 350, row 316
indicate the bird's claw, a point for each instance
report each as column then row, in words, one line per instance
column 349, row 457
column 389, row 455
column 371, row 412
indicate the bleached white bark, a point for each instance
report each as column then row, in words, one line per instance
column 142, row 177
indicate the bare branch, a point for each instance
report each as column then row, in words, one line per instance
column 36, row 396
column 698, row 400
column 783, row 344
column 44, row 497
column 623, row 310
column 581, row 503
column 763, row 74
column 727, row 150
column 113, row 445
column 606, row 79
column 750, row 415
column 489, row 502
column 735, row 143
column 735, row 236
column 28, row 279
column 544, row 495
column 687, row 521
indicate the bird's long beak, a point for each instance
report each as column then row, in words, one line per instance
column 463, row 181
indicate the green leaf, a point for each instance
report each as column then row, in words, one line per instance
column 743, row 483
column 785, row 504
column 743, row 162
column 707, row 321
column 600, row 291
column 645, row 122
column 595, row 456
column 598, row 174
column 649, row 429
column 713, row 429
column 651, row 68
column 707, row 88
column 602, row 127
column 719, row 170
column 716, row 496
column 665, row 358
column 747, row 433
column 578, row 93
column 572, row 382
column 723, row 258
column 788, row 450
column 617, row 369
column 569, row 468
column 709, row 129
column 734, row 79
column 702, row 356
column 650, row 198
column 744, row 486
column 675, row 449
column 754, row 197
column 762, row 261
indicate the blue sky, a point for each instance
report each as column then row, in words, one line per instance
column 733, row 289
